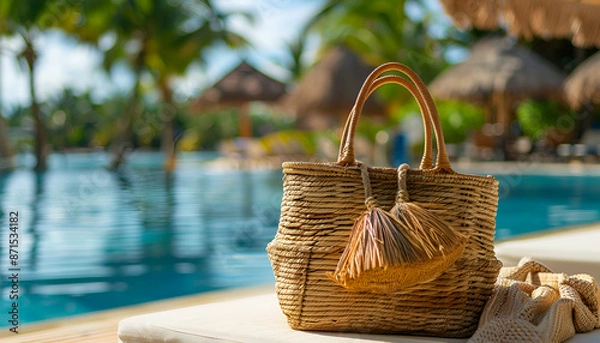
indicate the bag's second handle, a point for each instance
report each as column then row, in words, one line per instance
column 346, row 154
column 427, row 160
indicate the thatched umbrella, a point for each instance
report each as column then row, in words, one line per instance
column 328, row 91
column 244, row 84
column 583, row 84
column 575, row 19
column 499, row 74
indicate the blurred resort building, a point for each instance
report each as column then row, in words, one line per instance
column 498, row 77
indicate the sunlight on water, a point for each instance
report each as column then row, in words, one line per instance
column 540, row 202
column 91, row 239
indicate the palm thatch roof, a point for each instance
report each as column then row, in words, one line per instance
column 497, row 66
column 583, row 84
column 243, row 84
column 331, row 86
column 574, row 19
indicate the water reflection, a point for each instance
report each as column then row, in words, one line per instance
column 39, row 189
column 99, row 239
column 4, row 175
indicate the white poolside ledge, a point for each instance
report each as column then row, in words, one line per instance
column 573, row 251
column 258, row 318
column 255, row 319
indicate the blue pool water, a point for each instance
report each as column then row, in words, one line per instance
column 542, row 202
column 90, row 239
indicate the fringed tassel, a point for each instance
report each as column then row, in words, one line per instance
column 388, row 252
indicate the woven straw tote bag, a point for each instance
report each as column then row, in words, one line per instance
column 320, row 204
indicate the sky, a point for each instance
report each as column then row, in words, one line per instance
column 63, row 62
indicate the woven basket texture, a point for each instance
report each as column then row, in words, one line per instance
column 320, row 204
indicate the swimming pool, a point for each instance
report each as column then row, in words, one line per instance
column 92, row 239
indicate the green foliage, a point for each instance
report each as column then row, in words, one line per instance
column 206, row 130
column 23, row 17
column 265, row 122
column 157, row 38
column 19, row 121
column 368, row 128
column 109, row 112
column 290, row 142
column 458, row 118
column 381, row 31
column 537, row 117
column 76, row 121
column 25, row 20
column 163, row 38
column 212, row 127
column 160, row 37
column 71, row 120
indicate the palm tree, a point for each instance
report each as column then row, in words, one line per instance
column 6, row 151
column 176, row 46
column 127, row 22
column 381, row 31
column 27, row 20
column 156, row 38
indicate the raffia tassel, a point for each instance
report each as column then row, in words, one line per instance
column 435, row 236
column 437, row 243
column 382, row 256
column 388, row 254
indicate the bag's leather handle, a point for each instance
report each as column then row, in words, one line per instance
column 346, row 154
column 427, row 160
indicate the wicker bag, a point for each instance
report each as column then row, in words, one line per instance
column 320, row 204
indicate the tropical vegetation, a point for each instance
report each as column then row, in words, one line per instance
column 159, row 41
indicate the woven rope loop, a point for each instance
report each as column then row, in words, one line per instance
column 369, row 199
column 402, row 194
column 371, row 203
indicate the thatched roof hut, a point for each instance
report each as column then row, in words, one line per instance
column 326, row 94
column 499, row 74
column 574, row 19
column 237, row 88
column 498, row 66
column 243, row 84
column 583, row 84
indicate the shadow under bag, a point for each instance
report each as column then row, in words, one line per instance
column 382, row 250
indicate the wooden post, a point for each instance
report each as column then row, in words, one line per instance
column 245, row 121
column 6, row 152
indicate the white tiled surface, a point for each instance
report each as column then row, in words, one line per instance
column 258, row 318
column 569, row 252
